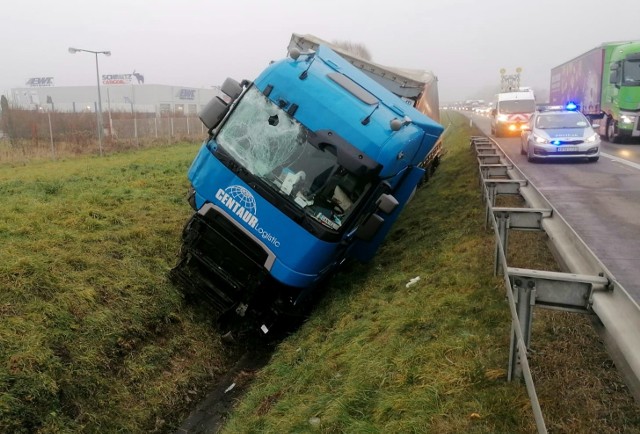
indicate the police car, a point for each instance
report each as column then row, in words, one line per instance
column 559, row 132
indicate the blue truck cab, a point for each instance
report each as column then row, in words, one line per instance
column 303, row 169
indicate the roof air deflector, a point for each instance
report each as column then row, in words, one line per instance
column 353, row 88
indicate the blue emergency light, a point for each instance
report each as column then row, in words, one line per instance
column 571, row 106
column 555, row 142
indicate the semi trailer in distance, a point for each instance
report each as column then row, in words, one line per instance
column 605, row 84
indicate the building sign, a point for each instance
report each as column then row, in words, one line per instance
column 40, row 82
column 187, row 94
column 122, row 78
column 117, row 78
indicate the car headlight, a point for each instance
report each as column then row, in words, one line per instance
column 539, row 139
column 503, row 118
column 627, row 119
column 593, row 139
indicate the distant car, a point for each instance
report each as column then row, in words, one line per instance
column 559, row 132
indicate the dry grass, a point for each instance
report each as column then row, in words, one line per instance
column 380, row 357
column 92, row 336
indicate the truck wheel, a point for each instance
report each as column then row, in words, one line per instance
column 612, row 131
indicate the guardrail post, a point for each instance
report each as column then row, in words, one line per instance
column 491, row 201
column 525, row 300
column 503, row 232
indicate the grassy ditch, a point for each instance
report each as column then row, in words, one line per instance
column 93, row 338
column 381, row 356
column 92, row 335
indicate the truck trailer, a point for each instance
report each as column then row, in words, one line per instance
column 605, row 83
column 304, row 169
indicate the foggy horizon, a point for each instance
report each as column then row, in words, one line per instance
column 195, row 44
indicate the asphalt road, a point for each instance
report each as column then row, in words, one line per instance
column 600, row 201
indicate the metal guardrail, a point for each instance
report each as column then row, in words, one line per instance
column 586, row 286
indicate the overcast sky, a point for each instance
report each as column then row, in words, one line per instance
column 200, row 43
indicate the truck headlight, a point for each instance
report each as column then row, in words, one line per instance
column 539, row 139
column 503, row 118
column 593, row 139
column 627, row 119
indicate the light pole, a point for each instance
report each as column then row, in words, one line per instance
column 99, row 114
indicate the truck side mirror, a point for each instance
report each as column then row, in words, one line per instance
column 387, row 203
column 493, row 112
column 367, row 230
column 231, row 88
column 213, row 112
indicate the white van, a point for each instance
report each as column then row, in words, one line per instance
column 511, row 112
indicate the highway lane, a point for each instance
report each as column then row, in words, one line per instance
column 626, row 151
column 600, row 201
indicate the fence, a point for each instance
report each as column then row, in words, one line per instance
column 32, row 132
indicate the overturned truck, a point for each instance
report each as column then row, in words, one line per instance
column 304, row 168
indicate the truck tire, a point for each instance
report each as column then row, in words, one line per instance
column 612, row 131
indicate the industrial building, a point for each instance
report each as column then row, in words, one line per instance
column 142, row 98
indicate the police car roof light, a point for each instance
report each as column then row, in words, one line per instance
column 548, row 107
column 571, row 106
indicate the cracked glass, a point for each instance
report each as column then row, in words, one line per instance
column 273, row 146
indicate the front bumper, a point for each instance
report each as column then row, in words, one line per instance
column 549, row 151
column 514, row 128
column 630, row 129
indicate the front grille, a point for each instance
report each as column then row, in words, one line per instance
column 223, row 261
column 571, row 142
column 568, row 153
column 230, row 249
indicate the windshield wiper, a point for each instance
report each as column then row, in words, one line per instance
column 229, row 161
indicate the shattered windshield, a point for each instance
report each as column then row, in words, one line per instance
column 273, row 147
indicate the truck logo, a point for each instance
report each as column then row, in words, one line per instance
column 241, row 202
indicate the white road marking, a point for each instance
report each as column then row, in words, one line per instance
column 621, row 160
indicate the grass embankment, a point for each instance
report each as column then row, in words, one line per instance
column 94, row 339
column 92, row 335
column 378, row 356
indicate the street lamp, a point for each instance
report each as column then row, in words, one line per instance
column 99, row 114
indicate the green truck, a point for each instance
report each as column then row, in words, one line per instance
column 605, row 83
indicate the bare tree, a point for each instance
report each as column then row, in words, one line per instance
column 355, row 48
